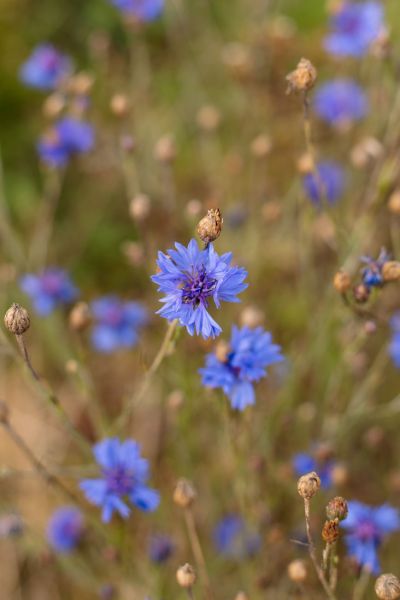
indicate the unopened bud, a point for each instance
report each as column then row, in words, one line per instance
column 391, row 271
column 339, row 474
column 387, row 587
column 394, row 203
column 261, row 146
column 303, row 78
column 208, row 118
column 308, row 485
column 306, row 164
column 222, row 350
column 366, row 151
column 139, row 207
column 164, row 150
column 210, row 226
column 17, row 319
column 53, row 105
column 80, row 317
column 241, row 596
column 361, row 293
column 297, row 571
column 119, row 105
column 186, row 576
column 337, row 508
column 251, row 316
column 341, row 282
column 330, row 531
column 4, row 412
column 184, row 493
column 81, row 84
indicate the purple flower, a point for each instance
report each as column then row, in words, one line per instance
column 51, row 288
column 45, row 68
column 117, row 323
column 190, row 278
column 367, row 526
column 11, row 525
column 243, row 362
column 143, row 10
column 340, row 101
column 161, row 547
column 234, row 539
column 65, row 529
column 326, row 184
column 68, row 137
column 355, row 26
column 372, row 273
column 394, row 347
column 305, row 463
column 124, row 474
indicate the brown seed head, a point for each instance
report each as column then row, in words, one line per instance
column 303, row 78
column 251, row 316
column 139, row 207
column 341, row 282
column 186, row 576
column 184, row 493
column 80, row 317
column 308, row 485
column 81, row 83
column 261, row 146
column 53, row 105
column 222, row 350
column 210, row 226
column 330, row 531
column 17, row 319
column 337, row 508
column 297, row 571
column 391, row 271
column 241, row 596
column 394, row 203
column 208, row 118
column 387, row 587
column 165, row 150
column 119, row 105
column 361, row 293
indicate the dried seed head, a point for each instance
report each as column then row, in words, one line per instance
column 222, row 350
column 4, row 412
column 297, row 571
column 330, row 531
column 17, row 319
column 186, row 576
column 194, row 208
column 341, row 282
column 308, row 485
column 208, row 118
column 391, row 271
column 238, row 59
column 271, row 211
column 261, row 146
column 53, row 105
column 241, row 596
column 305, row 164
column 361, row 293
column 339, row 474
column 80, row 317
column 134, row 253
column 210, row 226
column 119, row 105
column 337, row 508
column 365, row 152
column 251, row 316
column 387, row 587
column 184, row 493
column 139, row 207
column 165, row 150
column 394, row 203
column 81, row 83
column 303, row 78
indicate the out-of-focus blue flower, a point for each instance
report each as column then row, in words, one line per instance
column 355, row 26
column 117, row 323
column 45, row 68
column 143, row 10
column 65, row 529
column 394, row 346
column 68, row 137
column 340, row 102
column 124, row 474
column 326, row 184
column 372, row 273
column 245, row 361
column 305, row 463
column 367, row 526
column 190, row 278
column 51, row 288
column 11, row 525
column 161, row 547
column 234, row 539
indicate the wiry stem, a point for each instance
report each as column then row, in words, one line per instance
column 197, row 550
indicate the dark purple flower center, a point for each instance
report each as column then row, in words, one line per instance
column 113, row 316
column 119, row 480
column 350, row 23
column 198, row 287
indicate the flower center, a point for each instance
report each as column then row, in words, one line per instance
column 51, row 283
column 366, row 531
column 119, row 480
column 198, row 287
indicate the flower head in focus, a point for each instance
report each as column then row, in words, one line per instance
column 340, row 102
column 366, row 528
column 372, row 274
column 51, row 288
column 116, row 323
column 142, row 10
column 46, row 68
column 304, row 463
column 242, row 362
column 161, row 547
column 234, row 539
column 124, row 475
column 190, row 278
column 69, row 136
column 326, row 184
column 65, row 529
column 354, row 27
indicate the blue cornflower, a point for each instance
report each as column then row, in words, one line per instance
column 355, row 26
column 241, row 363
column 124, row 475
column 65, row 529
column 190, row 277
column 305, row 463
column 45, row 68
column 372, row 273
column 340, row 102
column 117, row 323
column 394, row 347
column 69, row 136
column 143, row 10
column 367, row 526
column 326, row 184
column 234, row 539
column 51, row 288
column 161, row 547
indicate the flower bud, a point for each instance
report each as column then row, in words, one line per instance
column 241, row 596
column 297, row 571
column 4, row 412
column 394, row 203
column 81, row 83
column 139, row 207
column 164, row 150
column 222, row 350
column 53, row 105
column 308, row 485
column 341, row 282
column 208, row 118
column 337, row 508
column 330, row 531
column 387, row 587
column 361, row 293
column 119, row 105
column 80, row 317
column 303, row 78
column 186, row 576
column 184, row 494
column 305, row 164
column 261, row 146
column 251, row 316
column 17, row 319
column 210, row 226
column 391, row 270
